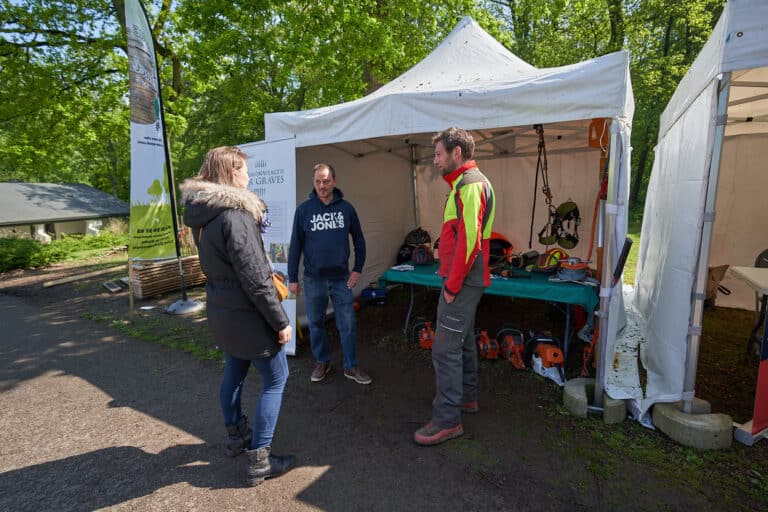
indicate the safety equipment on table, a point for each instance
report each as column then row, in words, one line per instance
column 501, row 249
column 417, row 236
column 404, row 254
column 530, row 258
column 573, row 269
column 488, row 348
column 550, row 260
column 412, row 240
column 422, row 255
column 512, row 344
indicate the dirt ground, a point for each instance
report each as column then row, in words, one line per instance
column 103, row 412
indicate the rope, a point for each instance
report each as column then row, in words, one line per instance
column 541, row 166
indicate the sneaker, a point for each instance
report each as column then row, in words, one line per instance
column 321, row 370
column 358, row 375
column 431, row 434
column 470, row 407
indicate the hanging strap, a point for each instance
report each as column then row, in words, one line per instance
column 541, row 166
column 552, row 226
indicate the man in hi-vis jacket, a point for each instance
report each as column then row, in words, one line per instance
column 464, row 251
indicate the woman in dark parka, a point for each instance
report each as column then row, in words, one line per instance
column 245, row 316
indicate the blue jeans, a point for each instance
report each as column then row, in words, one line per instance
column 274, row 374
column 316, row 294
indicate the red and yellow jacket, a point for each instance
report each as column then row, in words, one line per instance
column 467, row 225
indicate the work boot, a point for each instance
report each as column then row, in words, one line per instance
column 263, row 465
column 430, row 434
column 238, row 437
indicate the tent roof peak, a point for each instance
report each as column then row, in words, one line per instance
column 467, row 55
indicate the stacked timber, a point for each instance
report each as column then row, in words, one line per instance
column 156, row 277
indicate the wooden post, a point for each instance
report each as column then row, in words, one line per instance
column 130, row 289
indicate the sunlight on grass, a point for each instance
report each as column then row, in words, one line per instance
column 631, row 265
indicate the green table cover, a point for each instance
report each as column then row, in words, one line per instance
column 537, row 286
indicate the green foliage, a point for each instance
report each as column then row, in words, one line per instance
column 62, row 100
column 223, row 64
column 251, row 58
column 26, row 253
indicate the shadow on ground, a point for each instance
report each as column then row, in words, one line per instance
column 100, row 419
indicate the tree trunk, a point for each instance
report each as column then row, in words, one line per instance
column 616, row 16
column 637, row 179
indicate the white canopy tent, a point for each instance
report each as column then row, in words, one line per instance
column 381, row 145
column 703, row 203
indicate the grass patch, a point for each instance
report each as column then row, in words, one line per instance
column 630, row 267
column 188, row 337
column 25, row 253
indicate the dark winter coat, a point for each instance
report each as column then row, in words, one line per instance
column 244, row 313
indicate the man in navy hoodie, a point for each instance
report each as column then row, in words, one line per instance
column 322, row 226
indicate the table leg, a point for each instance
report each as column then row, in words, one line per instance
column 567, row 334
column 408, row 316
column 753, row 339
column 764, row 344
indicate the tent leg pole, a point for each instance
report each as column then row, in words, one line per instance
column 416, row 212
column 702, row 270
column 609, row 211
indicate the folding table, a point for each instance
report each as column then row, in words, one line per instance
column 534, row 285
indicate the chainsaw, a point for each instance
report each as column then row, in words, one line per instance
column 487, row 347
column 512, row 345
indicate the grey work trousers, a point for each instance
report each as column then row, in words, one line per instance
column 454, row 356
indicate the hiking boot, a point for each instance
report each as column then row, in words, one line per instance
column 238, row 437
column 430, row 434
column 470, row 407
column 262, row 465
column 358, row 375
column 321, row 370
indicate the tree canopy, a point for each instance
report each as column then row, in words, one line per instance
column 64, row 113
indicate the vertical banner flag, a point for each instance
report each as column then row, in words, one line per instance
column 272, row 167
column 151, row 223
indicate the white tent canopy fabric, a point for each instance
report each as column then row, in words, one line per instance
column 380, row 145
column 469, row 80
column 706, row 188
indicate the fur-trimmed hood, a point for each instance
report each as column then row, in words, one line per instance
column 205, row 200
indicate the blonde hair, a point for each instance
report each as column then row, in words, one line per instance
column 220, row 164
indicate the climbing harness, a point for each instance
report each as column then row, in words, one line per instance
column 563, row 222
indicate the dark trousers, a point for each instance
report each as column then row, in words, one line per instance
column 454, row 356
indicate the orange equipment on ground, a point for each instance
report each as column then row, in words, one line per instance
column 512, row 342
column 488, row 347
column 589, row 352
column 545, row 347
column 550, row 355
column 426, row 335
